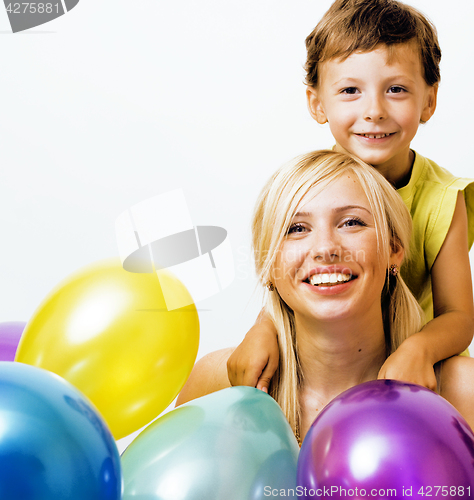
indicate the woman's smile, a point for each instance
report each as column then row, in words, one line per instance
column 329, row 288
column 329, row 280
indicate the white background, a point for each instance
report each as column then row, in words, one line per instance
column 118, row 101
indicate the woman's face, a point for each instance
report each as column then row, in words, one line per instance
column 328, row 267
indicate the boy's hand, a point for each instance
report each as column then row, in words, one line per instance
column 255, row 360
column 411, row 364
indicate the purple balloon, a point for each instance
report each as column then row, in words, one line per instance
column 10, row 334
column 386, row 439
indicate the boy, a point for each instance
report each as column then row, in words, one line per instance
column 373, row 75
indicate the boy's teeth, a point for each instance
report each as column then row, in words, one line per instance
column 329, row 279
column 375, row 136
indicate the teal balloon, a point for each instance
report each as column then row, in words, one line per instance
column 53, row 443
column 232, row 444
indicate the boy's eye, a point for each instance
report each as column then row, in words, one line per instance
column 395, row 89
column 349, row 90
column 296, row 228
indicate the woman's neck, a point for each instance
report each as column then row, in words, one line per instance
column 339, row 355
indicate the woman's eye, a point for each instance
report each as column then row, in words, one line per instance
column 349, row 90
column 354, row 222
column 395, row 89
column 296, row 228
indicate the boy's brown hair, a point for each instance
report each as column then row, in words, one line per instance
column 361, row 25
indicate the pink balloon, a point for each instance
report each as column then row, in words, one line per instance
column 10, row 334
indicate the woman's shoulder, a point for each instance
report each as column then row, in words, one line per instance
column 457, row 385
column 208, row 375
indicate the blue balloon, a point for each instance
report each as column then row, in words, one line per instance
column 231, row 444
column 53, row 443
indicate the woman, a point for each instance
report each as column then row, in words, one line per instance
column 329, row 235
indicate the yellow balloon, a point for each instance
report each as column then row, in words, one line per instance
column 109, row 333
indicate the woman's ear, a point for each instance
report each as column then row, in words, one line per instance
column 315, row 106
column 430, row 103
column 397, row 254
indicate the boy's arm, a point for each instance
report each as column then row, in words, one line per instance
column 451, row 283
column 451, row 330
column 255, row 360
column 457, row 385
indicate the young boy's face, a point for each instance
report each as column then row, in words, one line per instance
column 374, row 105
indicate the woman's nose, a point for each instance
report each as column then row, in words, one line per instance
column 326, row 248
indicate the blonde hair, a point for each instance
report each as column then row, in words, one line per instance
column 273, row 214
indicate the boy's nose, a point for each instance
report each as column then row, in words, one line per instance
column 375, row 110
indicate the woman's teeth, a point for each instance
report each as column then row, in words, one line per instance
column 329, row 279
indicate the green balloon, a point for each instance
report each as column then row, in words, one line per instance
column 235, row 443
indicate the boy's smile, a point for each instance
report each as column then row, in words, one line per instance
column 374, row 102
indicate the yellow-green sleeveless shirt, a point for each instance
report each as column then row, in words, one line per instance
column 431, row 199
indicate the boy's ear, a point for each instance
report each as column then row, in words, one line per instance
column 314, row 105
column 430, row 104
